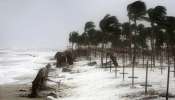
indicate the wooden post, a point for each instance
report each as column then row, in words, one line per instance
column 174, row 65
column 146, row 78
column 161, row 64
column 133, row 71
column 123, row 66
column 168, row 76
column 133, row 76
column 123, row 60
column 110, row 65
column 106, row 59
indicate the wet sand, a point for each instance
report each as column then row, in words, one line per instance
column 12, row 92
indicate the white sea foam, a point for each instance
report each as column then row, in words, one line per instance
column 20, row 66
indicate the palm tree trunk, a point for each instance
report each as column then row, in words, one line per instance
column 134, row 55
column 106, row 55
column 130, row 40
column 102, row 49
column 168, row 76
column 95, row 51
column 161, row 61
column 174, row 66
column 143, row 57
column 153, row 47
column 89, row 49
column 72, row 47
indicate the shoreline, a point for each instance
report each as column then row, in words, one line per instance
column 12, row 92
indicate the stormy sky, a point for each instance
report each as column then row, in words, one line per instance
column 47, row 23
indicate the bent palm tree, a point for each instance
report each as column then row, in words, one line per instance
column 156, row 15
column 73, row 38
column 89, row 29
column 136, row 11
column 109, row 26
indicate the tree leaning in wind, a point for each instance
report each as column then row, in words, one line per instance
column 73, row 38
column 136, row 11
column 89, row 29
column 109, row 26
column 141, row 40
column 169, row 24
column 156, row 16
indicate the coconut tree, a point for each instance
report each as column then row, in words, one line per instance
column 95, row 40
column 169, row 24
column 109, row 27
column 89, row 29
column 136, row 11
column 73, row 38
column 141, row 39
column 156, row 15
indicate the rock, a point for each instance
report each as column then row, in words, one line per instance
column 66, row 70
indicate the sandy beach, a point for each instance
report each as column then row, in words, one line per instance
column 12, row 92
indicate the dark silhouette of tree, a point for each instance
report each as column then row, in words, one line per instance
column 109, row 26
column 73, row 38
column 169, row 24
column 136, row 11
column 89, row 30
column 156, row 15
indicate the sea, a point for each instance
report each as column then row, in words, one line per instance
column 20, row 66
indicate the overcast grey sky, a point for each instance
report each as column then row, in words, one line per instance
column 47, row 23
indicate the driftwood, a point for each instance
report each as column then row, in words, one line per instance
column 39, row 82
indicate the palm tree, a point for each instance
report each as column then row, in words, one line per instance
column 127, row 30
column 136, row 11
column 109, row 27
column 73, row 37
column 169, row 24
column 156, row 15
column 89, row 29
column 141, row 39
